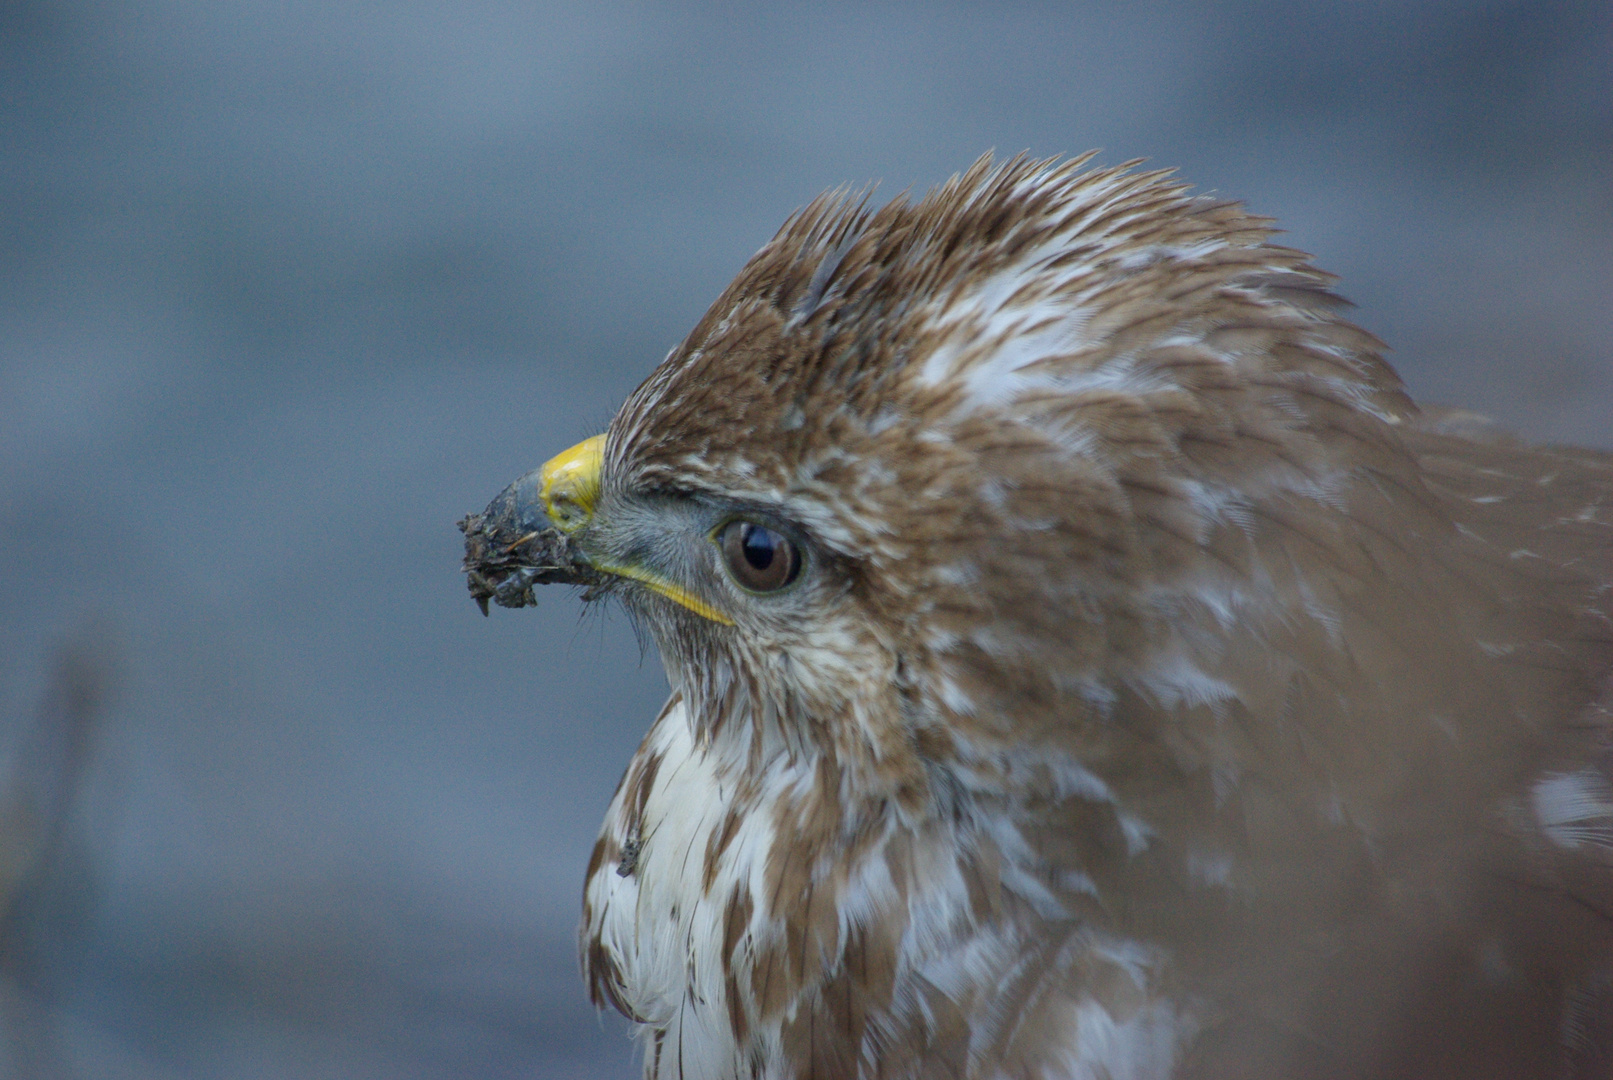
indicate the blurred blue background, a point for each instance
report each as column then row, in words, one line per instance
column 286, row 288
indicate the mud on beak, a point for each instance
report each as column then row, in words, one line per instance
column 525, row 536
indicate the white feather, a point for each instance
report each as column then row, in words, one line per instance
column 1574, row 809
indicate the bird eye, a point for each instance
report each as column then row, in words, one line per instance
column 759, row 558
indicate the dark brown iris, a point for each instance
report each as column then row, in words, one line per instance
column 760, row 559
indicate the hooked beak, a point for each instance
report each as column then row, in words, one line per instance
column 523, row 538
column 528, row 536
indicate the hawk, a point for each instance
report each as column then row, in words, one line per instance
column 1087, row 662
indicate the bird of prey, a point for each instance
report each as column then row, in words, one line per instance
column 1086, row 662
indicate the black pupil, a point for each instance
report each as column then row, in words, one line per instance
column 761, row 546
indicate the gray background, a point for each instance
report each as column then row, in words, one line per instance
column 286, row 288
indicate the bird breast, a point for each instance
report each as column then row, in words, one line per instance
column 748, row 941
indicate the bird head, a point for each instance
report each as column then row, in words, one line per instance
column 949, row 473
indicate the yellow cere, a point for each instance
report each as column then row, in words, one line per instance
column 569, row 484
column 569, row 487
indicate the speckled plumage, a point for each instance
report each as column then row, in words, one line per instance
column 1165, row 694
